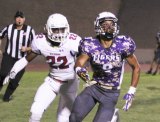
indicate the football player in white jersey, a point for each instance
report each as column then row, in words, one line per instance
column 59, row 46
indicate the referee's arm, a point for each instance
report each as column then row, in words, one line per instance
column 0, row 47
column 2, row 35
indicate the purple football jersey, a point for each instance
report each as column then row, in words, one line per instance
column 108, row 63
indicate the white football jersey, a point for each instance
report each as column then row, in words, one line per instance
column 61, row 59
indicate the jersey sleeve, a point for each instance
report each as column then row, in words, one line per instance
column 32, row 34
column 129, row 46
column 36, row 43
column 74, row 42
column 86, row 45
column 3, row 32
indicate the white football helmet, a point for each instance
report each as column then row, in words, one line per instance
column 57, row 21
column 102, row 17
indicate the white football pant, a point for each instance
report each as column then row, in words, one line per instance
column 45, row 95
column 68, row 93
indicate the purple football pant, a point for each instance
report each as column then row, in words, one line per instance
column 88, row 98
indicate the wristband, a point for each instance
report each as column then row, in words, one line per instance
column 132, row 90
column 77, row 69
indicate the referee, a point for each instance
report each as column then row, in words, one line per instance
column 19, row 37
column 156, row 60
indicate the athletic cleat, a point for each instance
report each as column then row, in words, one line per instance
column 7, row 99
column 154, row 73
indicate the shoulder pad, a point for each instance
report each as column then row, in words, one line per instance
column 39, row 36
column 73, row 36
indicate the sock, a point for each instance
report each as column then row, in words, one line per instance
column 8, row 93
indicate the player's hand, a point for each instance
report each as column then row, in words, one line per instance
column 129, row 98
column 6, row 80
column 83, row 73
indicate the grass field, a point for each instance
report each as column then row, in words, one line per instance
column 146, row 106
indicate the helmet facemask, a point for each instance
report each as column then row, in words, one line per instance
column 57, row 34
column 105, row 29
column 57, row 28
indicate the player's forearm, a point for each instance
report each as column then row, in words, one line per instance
column 135, row 76
column 79, row 67
column 133, row 62
column 18, row 66
column 81, row 60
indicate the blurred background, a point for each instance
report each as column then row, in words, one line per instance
column 137, row 18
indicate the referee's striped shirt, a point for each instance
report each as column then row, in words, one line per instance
column 16, row 39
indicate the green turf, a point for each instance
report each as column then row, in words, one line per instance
column 146, row 106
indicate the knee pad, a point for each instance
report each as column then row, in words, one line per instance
column 115, row 117
column 63, row 115
column 35, row 118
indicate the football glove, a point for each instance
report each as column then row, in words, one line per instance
column 6, row 80
column 129, row 98
column 82, row 73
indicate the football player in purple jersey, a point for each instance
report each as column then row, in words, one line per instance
column 107, row 54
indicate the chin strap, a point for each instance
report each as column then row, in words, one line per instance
column 107, row 36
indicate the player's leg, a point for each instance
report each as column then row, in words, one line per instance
column 83, row 104
column 6, row 65
column 156, row 70
column 157, row 63
column 151, row 66
column 68, row 93
column 108, row 100
column 13, row 84
column 64, row 108
column 115, row 117
column 45, row 94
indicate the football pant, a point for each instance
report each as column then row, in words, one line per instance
column 45, row 94
column 68, row 93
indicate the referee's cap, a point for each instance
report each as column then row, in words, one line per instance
column 19, row 14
